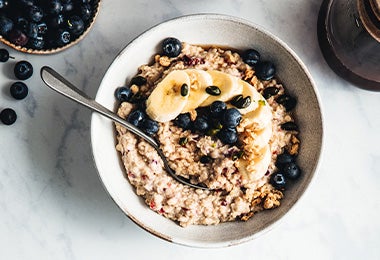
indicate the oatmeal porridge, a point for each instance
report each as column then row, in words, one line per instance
column 222, row 120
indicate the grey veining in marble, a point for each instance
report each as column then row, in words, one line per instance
column 53, row 205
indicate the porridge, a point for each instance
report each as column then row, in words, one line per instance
column 222, row 120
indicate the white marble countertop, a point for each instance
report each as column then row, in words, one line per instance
column 53, row 206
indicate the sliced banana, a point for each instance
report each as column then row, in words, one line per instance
column 199, row 81
column 228, row 85
column 256, row 168
column 260, row 117
column 166, row 102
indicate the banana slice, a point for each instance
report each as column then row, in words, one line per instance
column 199, row 81
column 260, row 117
column 228, row 85
column 255, row 169
column 166, row 102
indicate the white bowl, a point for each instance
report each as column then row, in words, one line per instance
column 206, row 29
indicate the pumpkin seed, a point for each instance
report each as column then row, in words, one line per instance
column 213, row 90
column 289, row 126
column 184, row 90
column 183, row 141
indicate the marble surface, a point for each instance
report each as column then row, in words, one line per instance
column 53, row 206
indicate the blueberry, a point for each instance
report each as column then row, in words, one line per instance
column 284, row 158
column 291, row 170
column 19, row 90
column 183, row 121
column 67, row 6
column 171, row 47
column 4, row 55
column 85, row 12
column 136, row 117
column 231, row 118
column 3, row 4
column 217, row 108
column 53, row 7
column 21, row 22
column 8, row 116
column 149, row 126
column 23, row 70
column 24, row 3
column 75, row 25
column 251, row 57
column 278, row 180
column 200, row 123
column 228, row 136
column 18, row 37
column 6, row 25
column 36, row 43
column 287, row 101
column 62, row 37
column 265, row 70
column 32, row 30
column 123, row 94
column 42, row 28
column 35, row 13
column 56, row 21
column 138, row 80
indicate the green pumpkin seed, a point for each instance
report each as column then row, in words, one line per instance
column 244, row 102
column 183, row 141
column 237, row 155
column 236, row 99
column 184, row 90
column 213, row 90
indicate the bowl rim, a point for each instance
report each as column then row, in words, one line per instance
column 234, row 19
column 58, row 49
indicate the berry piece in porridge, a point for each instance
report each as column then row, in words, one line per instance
column 291, row 170
column 265, row 70
column 123, row 94
column 183, row 121
column 171, row 47
column 251, row 57
column 231, row 118
column 228, row 135
column 278, row 180
column 136, row 117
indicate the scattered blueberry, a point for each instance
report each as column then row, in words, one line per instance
column 278, row 180
column 63, row 37
column 287, row 101
column 149, row 126
column 183, row 121
column 67, row 6
column 251, row 57
column 36, row 43
column 21, row 22
column 231, row 118
column 217, row 108
column 53, row 7
column 35, row 13
column 228, row 136
column 75, row 25
column 8, row 116
column 200, row 123
column 265, row 70
column 136, row 117
column 3, row 4
column 32, row 30
column 19, row 90
column 284, row 158
column 85, row 12
column 291, row 170
column 42, row 28
column 4, row 55
column 171, row 47
column 23, row 70
column 123, row 94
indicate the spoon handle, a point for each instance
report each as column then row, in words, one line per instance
column 58, row 83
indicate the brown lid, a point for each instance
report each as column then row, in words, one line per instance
column 369, row 12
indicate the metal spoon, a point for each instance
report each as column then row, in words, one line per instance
column 58, row 83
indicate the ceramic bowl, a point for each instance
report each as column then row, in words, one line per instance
column 206, row 29
column 88, row 27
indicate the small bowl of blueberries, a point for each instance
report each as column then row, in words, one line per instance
column 45, row 26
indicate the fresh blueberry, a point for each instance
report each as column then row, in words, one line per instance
column 19, row 90
column 42, row 28
column 231, row 118
column 85, row 12
column 200, row 123
column 67, row 6
column 36, row 43
column 3, row 4
column 217, row 108
column 287, row 101
column 62, row 37
column 35, row 13
column 6, row 25
column 21, row 22
column 284, row 158
column 23, row 70
column 4, row 55
column 135, row 117
column 149, row 126
column 138, row 80
column 8, row 116
column 171, row 47
column 228, row 136
column 123, row 94
column 183, row 121
column 24, row 3
column 56, row 21
column 265, row 70
column 53, row 7
column 75, row 25
column 32, row 30
column 291, row 170
column 278, row 180
column 18, row 37
column 251, row 57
